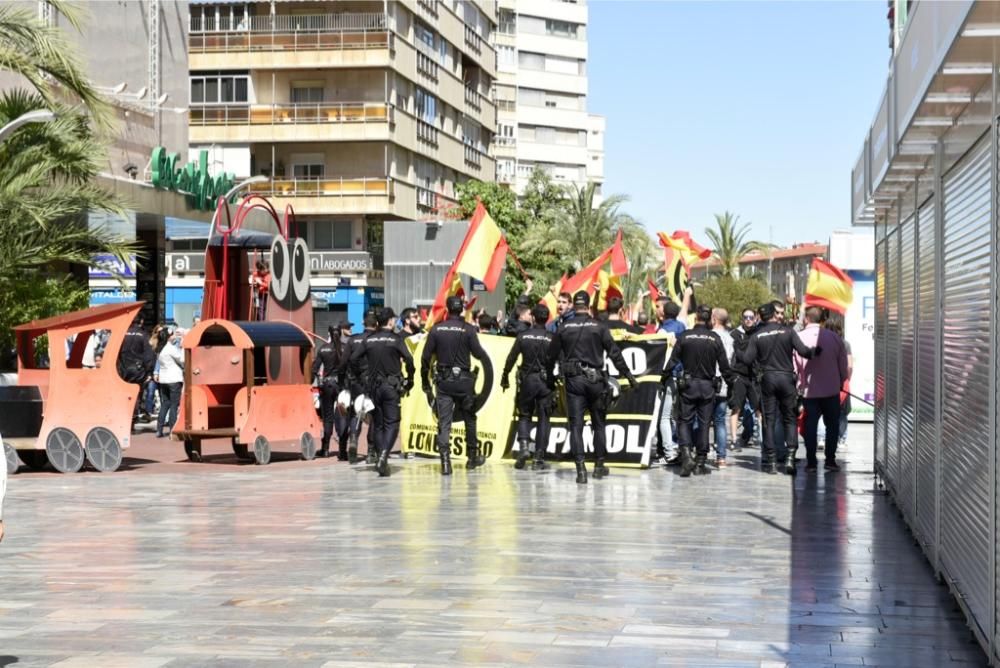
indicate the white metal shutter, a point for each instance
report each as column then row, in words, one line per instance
column 905, row 485
column 926, row 378
column 891, row 462
column 880, row 356
column 966, row 532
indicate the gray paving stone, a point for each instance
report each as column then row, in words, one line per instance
column 326, row 565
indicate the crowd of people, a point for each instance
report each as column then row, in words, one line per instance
column 760, row 381
column 154, row 361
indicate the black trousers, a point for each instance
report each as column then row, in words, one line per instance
column 780, row 399
column 385, row 417
column 584, row 395
column 328, row 409
column 170, row 399
column 697, row 402
column 456, row 400
column 829, row 409
column 533, row 400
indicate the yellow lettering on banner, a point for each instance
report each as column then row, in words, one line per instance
column 418, row 426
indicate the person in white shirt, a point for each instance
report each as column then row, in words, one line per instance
column 170, row 380
column 720, row 322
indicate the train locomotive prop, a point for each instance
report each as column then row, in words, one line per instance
column 43, row 418
column 247, row 365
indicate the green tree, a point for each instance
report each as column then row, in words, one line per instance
column 501, row 203
column 730, row 243
column 37, row 296
column 541, row 206
column 733, row 294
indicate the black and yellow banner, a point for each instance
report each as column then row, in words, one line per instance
column 632, row 418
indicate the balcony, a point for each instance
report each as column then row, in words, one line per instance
column 256, row 41
column 473, row 99
column 473, row 40
column 427, row 133
column 324, row 121
column 473, row 157
column 330, row 196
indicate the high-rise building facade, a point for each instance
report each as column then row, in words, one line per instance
column 541, row 94
column 356, row 111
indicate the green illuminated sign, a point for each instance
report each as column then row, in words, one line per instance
column 201, row 188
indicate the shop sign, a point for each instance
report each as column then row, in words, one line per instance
column 201, row 188
column 339, row 261
column 186, row 263
column 104, row 265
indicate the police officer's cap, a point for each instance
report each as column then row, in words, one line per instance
column 540, row 312
column 766, row 311
column 455, row 305
column 581, row 298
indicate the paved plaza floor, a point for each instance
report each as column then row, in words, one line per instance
column 325, row 564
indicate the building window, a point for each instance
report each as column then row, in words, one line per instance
column 307, row 92
column 220, row 89
column 426, row 106
column 561, row 28
column 310, row 172
column 531, row 61
column 322, row 235
column 343, row 235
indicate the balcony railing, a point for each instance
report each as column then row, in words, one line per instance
column 473, row 40
column 472, row 98
column 365, row 187
column 504, row 141
column 427, row 133
column 341, row 22
column 506, row 105
column 307, row 113
column 293, row 33
column 473, row 157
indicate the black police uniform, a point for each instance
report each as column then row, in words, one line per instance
column 744, row 386
column 700, row 351
column 579, row 345
column 324, row 369
column 770, row 348
column 385, row 355
column 353, row 370
column 534, row 391
column 452, row 343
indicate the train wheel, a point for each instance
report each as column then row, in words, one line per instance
column 33, row 459
column 104, row 452
column 10, row 455
column 261, row 451
column 307, row 443
column 65, row 450
column 192, row 448
column 241, row 451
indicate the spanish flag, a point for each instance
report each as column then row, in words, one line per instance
column 829, row 287
column 612, row 262
column 482, row 256
column 484, row 251
column 680, row 252
column 654, row 292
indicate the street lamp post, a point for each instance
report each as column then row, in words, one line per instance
column 37, row 116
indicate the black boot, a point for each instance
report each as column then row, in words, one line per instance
column 474, row 458
column 342, row 452
column 445, row 463
column 700, row 465
column 383, row 464
column 324, row 450
column 687, row 462
column 539, row 463
column 372, row 457
column 767, row 464
column 522, row 456
column 352, row 450
column 600, row 470
column 790, row 467
column 581, row 473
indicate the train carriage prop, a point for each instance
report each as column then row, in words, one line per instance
column 66, row 414
column 238, row 385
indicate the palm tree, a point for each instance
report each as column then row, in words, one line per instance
column 729, row 239
column 44, row 58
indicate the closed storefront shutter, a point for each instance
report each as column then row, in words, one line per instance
column 906, row 484
column 927, row 438
column 880, row 340
column 967, row 536
column 892, row 362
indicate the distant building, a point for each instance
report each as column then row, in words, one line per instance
column 784, row 269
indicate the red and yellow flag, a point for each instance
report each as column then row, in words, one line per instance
column 482, row 256
column 680, row 252
column 829, row 287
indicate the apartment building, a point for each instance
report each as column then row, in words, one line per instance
column 541, row 94
column 785, row 270
column 356, row 111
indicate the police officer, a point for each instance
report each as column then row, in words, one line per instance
column 700, row 351
column 579, row 345
column 450, row 344
column 324, row 370
column 385, row 355
column 744, row 388
column 534, row 387
column 355, row 370
column 770, row 348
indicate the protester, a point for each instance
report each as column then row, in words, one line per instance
column 720, row 415
column 643, row 321
column 410, row 318
column 616, row 311
column 564, row 311
column 521, row 322
column 835, row 321
column 820, row 379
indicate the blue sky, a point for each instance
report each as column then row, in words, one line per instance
column 755, row 107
